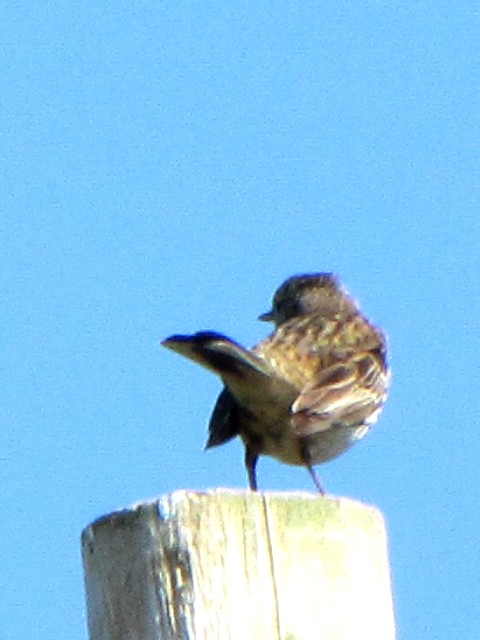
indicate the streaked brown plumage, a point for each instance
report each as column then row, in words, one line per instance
column 307, row 392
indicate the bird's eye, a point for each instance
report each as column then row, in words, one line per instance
column 294, row 308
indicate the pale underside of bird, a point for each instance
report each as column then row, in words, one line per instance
column 307, row 392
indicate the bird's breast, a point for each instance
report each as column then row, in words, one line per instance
column 279, row 441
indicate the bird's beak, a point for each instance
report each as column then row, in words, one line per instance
column 266, row 317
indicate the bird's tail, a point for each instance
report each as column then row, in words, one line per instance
column 218, row 353
column 249, row 380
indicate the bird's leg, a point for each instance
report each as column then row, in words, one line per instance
column 316, row 480
column 251, row 460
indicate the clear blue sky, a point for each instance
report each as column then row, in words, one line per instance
column 164, row 166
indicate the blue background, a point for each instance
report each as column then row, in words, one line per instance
column 164, row 166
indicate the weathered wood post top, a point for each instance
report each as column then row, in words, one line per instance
column 238, row 565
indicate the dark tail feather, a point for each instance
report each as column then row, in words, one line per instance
column 215, row 352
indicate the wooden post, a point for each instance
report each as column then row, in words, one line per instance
column 227, row 565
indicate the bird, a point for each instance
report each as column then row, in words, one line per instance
column 307, row 392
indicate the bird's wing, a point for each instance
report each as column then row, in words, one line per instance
column 224, row 421
column 350, row 392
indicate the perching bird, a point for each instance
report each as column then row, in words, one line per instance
column 309, row 391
